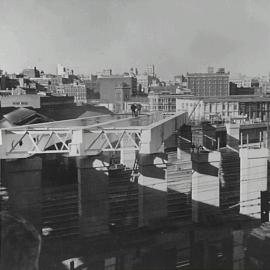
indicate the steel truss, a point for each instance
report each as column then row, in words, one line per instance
column 44, row 141
column 115, row 140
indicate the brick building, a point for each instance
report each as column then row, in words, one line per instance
column 209, row 84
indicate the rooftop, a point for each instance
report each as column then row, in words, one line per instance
column 209, row 74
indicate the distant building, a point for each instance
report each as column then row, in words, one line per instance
column 240, row 80
column 63, row 71
column 31, row 73
column 92, row 90
column 208, row 108
column 150, row 70
column 235, row 90
column 165, row 102
column 8, row 83
column 106, row 72
column 78, row 91
column 42, row 84
column 180, row 80
column 122, row 95
column 143, row 83
column 209, row 84
column 107, row 85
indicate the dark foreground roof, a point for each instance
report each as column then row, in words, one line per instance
column 22, row 116
column 71, row 111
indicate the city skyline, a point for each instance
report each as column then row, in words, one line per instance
column 176, row 36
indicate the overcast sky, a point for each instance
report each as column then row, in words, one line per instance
column 178, row 36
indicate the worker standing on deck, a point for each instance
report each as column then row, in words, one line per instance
column 139, row 107
column 133, row 109
column 136, row 110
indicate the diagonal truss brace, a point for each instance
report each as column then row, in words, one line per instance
column 115, row 140
column 35, row 142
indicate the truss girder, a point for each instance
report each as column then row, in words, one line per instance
column 116, row 135
column 20, row 144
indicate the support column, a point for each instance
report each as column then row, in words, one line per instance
column 233, row 136
column 127, row 157
column 205, row 183
column 238, row 250
column 253, row 180
column 23, row 179
column 152, row 188
column 93, row 196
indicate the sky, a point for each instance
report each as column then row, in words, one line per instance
column 177, row 36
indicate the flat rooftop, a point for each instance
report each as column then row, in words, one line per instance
column 209, row 74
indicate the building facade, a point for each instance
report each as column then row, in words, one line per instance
column 143, row 83
column 202, row 108
column 209, row 84
column 31, row 73
column 107, row 84
column 78, row 91
column 122, row 95
column 162, row 102
column 240, row 80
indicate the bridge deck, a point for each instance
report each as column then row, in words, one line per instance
column 89, row 136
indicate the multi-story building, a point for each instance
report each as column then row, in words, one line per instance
column 208, row 108
column 63, row 71
column 122, row 95
column 107, row 84
column 235, row 90
column 150, row 70
column 91, row 88
column 180, row 80
column 31, row 73
column 209, row 84
column 240, row 80
column 165, row 102
column 78, row 91
column 143, row 83
column 106, row 72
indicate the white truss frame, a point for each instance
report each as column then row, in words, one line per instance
column 116, row 140
column 39, row 141
column 76, row 138
column 42, row 141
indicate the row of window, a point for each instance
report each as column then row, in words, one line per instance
column 20, row 103
column 211, row 106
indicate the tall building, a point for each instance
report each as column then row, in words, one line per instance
column 143, row 83
column 150, row 70
column 122, row 95
column 107, row 85
column 209, row 84
column 78, row 91
column 31, row 73
column 63, row 71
